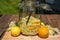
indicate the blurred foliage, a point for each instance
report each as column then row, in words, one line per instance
column 9, row 6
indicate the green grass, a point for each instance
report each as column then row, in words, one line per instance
column 9, row 6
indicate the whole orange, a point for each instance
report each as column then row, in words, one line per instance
column 43, row 32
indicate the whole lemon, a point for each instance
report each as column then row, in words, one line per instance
column 15, row 31
column 43, row 32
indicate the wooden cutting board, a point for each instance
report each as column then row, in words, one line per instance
column 8, row 36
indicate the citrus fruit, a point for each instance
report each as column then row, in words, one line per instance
column 43, row 32
column 15, row 31
column 30, row 28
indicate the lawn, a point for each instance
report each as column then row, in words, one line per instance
column 9, row 6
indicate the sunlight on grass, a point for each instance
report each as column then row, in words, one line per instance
column 9, row 6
